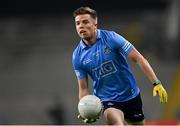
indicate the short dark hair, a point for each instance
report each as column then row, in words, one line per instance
column 85, row 10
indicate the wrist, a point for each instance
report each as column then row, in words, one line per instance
column 156, row 82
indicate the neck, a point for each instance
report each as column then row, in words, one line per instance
column 90, row 41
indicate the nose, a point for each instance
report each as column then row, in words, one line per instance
column 81, row 25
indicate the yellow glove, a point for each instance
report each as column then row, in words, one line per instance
column 159, row 89
column 86, row 120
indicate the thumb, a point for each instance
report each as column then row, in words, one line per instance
column 79, row 116
column 85, row 120
column 154, row 92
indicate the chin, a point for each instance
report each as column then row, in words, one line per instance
column 84, row 37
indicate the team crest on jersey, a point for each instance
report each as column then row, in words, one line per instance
column 107, row 50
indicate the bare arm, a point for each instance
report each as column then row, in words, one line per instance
column 144, row 65
column 83, row 87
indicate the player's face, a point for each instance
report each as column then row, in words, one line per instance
column 86, row 27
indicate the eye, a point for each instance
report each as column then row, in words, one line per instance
column 77, row 23
column 85, row 21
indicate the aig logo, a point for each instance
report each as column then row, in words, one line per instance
column 105, row 69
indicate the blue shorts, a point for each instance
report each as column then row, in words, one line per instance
column 132, row 109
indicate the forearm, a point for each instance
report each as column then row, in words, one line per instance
column 83, row 88
column 144, row 65
column 147, row 69
column 83, row 93
column 158, row 88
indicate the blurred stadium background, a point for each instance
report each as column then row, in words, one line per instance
column 37, row 38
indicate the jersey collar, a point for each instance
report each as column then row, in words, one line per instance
column 98, row 36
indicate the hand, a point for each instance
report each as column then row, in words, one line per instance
column 86, row 120
column 159, row 89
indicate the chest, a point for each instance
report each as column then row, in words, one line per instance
column 96, row 56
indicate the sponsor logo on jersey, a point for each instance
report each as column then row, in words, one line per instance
column 105, row 69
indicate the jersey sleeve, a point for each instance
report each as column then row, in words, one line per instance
column 80, row 73
column 120, row 43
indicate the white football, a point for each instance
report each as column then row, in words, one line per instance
column 90, row 107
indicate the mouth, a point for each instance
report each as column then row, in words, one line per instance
column 82, row 31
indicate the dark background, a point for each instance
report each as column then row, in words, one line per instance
column 34, row 7
column 37, row 38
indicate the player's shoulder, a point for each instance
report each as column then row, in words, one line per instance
column 108, row 33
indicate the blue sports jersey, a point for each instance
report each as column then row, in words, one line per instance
column 105, row 62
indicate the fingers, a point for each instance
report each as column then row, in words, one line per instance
column 163, row 96
column 86, row 120
column 166, row 98
column 89, row 120
column 79, row 116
